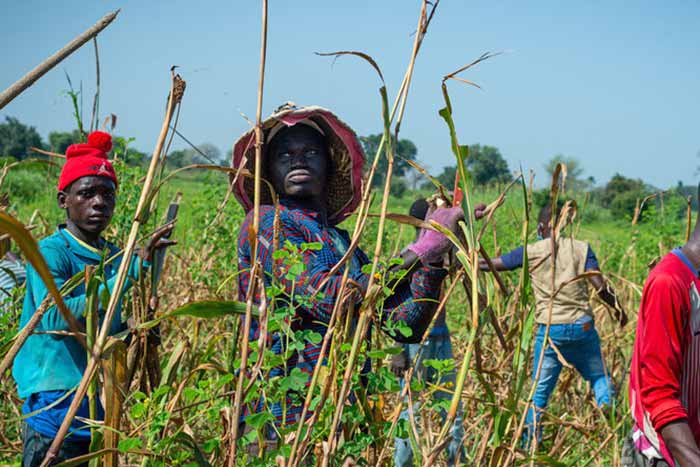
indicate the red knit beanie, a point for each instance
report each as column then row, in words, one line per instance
column 83, row 160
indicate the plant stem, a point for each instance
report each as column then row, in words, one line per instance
column 176, row 90
column 27, row 80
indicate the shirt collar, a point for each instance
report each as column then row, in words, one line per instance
column 81, row 246
column 680, row 255
column 291, row 203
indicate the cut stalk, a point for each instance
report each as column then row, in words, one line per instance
column 253, row 239
column 27, row 80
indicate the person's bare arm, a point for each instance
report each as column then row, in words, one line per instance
column 681, row 442
column 498, row 265
column 606, row 293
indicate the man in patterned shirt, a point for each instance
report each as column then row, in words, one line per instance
column 314, row 162
column 665, row 375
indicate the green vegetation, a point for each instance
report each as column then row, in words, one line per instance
column 183, row 420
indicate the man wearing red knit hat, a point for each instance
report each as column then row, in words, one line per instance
column 50, row 365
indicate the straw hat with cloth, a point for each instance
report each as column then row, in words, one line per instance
column 344, row 185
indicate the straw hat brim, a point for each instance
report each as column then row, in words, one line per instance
column 344, row 186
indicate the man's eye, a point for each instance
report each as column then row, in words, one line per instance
column 284, row 155
column 312, row 152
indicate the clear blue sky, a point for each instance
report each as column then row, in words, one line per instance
column 612, row 83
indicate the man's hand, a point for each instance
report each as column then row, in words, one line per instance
column 479, row 211
column 159, row 239
column 399, row 364
column 607, row 294
column 432, row 245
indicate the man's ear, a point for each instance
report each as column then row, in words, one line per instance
column 61, row 199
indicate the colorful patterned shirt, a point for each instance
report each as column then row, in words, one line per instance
column 410, row 303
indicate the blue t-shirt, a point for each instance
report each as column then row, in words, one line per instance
column 49, row 366
column 514, row 259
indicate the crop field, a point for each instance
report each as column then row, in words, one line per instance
column 184, row 419
column 177, row 386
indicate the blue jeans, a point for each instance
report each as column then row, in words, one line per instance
column 579, row 344
column 435, row 348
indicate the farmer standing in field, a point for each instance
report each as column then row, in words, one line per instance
column 437, row 346
column 314, row 162
column 572, row 329
column 50, row 365
column 665, row 375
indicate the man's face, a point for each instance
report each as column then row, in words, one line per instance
column 297, row 163
column 89, row 203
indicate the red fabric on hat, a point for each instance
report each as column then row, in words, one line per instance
column 84, row 160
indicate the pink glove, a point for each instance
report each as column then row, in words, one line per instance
column 479, row 211
column 432, row 245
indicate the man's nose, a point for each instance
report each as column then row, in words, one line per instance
column 99, row 201
column 299, row 160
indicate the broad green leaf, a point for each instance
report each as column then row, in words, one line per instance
column 205, row 309
column 23, row 238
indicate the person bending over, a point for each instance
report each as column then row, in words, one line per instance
column 572, row 329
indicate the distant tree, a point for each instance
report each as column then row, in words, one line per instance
column 688, row 191
column 574, row 172
column 16, row 137
column 620, row 184
column 487, row 165
column 135, row 157
column 60, row 140
column 447, row 177
column 405, row 149
column 621, row 193
column 210, row 154
column 122, row 149
column 414, row 179
column 398, row 187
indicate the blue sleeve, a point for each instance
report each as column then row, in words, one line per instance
column 513, row 259
column 591, row 260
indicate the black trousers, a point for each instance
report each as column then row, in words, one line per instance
column 37, row 445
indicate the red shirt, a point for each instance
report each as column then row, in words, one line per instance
column 665, row 374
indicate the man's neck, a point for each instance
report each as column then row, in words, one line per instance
column 88, row 237
column 312, row 204
column 691, row 249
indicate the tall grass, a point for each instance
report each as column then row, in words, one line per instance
column 210, row 369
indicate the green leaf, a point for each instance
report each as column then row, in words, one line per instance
column 280, row 254
column 138, row 410
column 313, row 337
column 26, row 243
column 205, row 309
column 189, row 442
column 128, row 444
column 404, row 329
column 258, row 420
column 377, row 354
